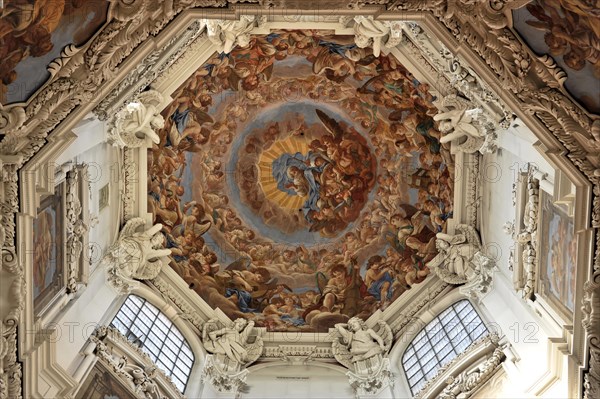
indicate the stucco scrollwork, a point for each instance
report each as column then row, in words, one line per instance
column 472, row 379
column 528, row 236
column 76, row 228
column 461, row 261
column 591, row 324
column 362, row 350
column 233, row 348
column 135, row 255
column 132, row 365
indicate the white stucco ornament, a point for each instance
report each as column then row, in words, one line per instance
column 140, row 119
column 362, row 350
column 369, row 32
column 233, row 348
column 228, row 34
column 460, row 260
column 136, row 255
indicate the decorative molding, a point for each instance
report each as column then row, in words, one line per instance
column 425, row 302
column 132, row 365
column 10, row 367
column 77, row 225
column 479, row 32
column 185, row 310
column 147, row 71
column 526, row 232
column 479, row 349
column 469, row 381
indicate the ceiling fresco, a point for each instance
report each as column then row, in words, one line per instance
column 300, row 181
column 569, row 31
column 34, row 32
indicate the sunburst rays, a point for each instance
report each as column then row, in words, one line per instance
column 290, row 145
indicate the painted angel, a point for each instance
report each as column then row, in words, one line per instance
column 232, row 342
column 360, row 348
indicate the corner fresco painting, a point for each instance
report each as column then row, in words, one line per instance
column 569, row 31
column 34, row 32
column 558, row 246
column 48, row 273
column 300, row 181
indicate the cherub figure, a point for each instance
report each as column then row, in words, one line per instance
column 359, row 344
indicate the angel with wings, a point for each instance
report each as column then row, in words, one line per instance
column 232, row 342
column 358, row 343
column 136, row 255
column 454, row 262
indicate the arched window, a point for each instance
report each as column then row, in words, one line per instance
column 144, row 325
column 446, row 336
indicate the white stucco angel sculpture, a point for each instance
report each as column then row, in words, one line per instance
column 457, row 122
column 368, row 31
column 136, row 255
column 227, row 34
column 232, row 342
column 460, row 260
column 360, row 348
column 139, row 119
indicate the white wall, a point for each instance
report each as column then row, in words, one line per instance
column 303, row 381
column 78, row 320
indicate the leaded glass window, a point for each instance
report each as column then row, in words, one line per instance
column 444, row 338
column 144, row 325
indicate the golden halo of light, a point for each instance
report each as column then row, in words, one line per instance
column 289, row 145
